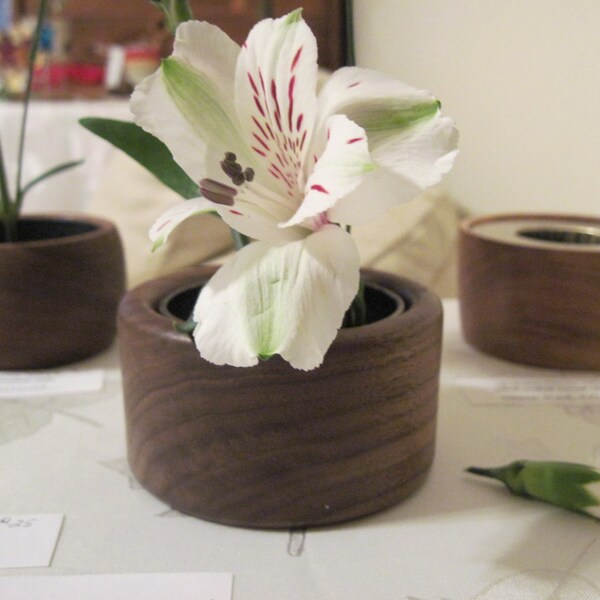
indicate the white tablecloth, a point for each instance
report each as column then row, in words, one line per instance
column 458, row 538
column 54, row 136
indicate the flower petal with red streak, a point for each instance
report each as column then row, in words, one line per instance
column 339, row 170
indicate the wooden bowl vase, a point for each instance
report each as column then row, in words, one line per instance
column 60, row 286
column 270, row 446
column 529, row 288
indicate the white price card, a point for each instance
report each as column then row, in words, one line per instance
column 28, row 540
column 563, row 390
column 129, row 586
column 28, row 384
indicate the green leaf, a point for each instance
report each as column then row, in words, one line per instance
column 49, row 173
column 147, row 150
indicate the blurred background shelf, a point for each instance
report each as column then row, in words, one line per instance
column 89, row 28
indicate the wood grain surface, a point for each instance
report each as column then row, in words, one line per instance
column 270, row 446
column 532, row 302
column 59, row 291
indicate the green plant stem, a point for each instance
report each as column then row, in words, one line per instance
column 35, row 43
column 265, row 10
column 483, row 472
column 6, row 204
column 349, row 27
column 9, row 225
column 176, row 12
column 7, row 210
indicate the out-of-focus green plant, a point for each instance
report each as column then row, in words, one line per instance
column 11, row 201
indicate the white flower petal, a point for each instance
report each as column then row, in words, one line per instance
column 407, row 164
column 378, row 192
column 168, row 221
column 209, row 50
column 252, row 219
column 373, row 100
column 286, row 299
column 338, row 171
column 406, row 133
column 156, row 113
column 188, row 102
column 422, row 154
column 276, row 100
column 328, row 281
column 251, row 209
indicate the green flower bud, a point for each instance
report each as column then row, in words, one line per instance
column 568, row 485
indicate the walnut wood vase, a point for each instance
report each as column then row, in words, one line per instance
column 270, row 446
column 529, row 288
column 60, row 286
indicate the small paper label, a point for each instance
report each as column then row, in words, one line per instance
column 48, row 383
column 533, row 390
column 149, row 586
column 28, row 540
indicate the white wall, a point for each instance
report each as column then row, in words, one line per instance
column 522, row 80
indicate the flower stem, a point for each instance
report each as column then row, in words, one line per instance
column 265, row 10
column 349, row 28
column 483, row 472
column 176, row 12
column 239, row 239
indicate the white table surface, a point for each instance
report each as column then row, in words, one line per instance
column 457, row 538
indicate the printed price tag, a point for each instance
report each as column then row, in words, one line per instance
column 28, row 540
column 25, row 384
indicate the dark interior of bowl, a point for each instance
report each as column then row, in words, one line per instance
column 563, row 236
column 33, row 230
column 379, row 303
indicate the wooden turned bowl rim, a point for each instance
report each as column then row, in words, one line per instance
column 415, row 304
column 99, row 227
column 513, row 228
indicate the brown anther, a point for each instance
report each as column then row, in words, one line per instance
column 217, row 192
column 231, row 169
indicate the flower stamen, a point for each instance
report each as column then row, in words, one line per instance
column 217, row 192
column 235, row 171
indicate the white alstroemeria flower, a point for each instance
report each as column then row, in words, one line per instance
column 285, row 168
